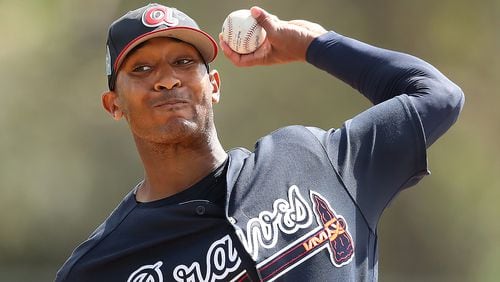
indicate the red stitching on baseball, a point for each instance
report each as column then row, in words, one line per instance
column 246, row 41
column 230, row 30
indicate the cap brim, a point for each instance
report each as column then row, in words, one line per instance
column 201, row 40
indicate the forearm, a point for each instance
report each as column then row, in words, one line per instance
column 381, row 74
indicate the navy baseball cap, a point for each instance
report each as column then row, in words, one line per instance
column 153, row 20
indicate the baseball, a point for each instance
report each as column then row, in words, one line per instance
column 242, row 33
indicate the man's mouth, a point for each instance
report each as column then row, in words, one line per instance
column 171, row 102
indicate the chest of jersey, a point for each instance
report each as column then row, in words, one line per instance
column 288, row 217
column 294, row 216
column 187, row 242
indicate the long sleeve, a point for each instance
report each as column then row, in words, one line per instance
column 382, row 150
column 381, row 74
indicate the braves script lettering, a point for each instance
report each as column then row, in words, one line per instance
column 286, row 216
column 222, row 259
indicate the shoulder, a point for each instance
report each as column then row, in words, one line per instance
column 113, row 220
column 295, row 132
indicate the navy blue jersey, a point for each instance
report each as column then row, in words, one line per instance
column 304, row 204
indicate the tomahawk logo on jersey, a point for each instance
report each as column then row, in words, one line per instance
column 331, row 233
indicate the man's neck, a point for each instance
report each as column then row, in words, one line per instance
column 172, row 168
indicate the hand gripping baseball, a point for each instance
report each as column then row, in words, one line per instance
column 286, row 41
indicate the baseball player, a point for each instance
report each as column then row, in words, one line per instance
column 303, row 205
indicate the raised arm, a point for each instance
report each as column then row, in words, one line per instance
column 379, row 74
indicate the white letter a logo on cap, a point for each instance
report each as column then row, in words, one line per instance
column 157, row 15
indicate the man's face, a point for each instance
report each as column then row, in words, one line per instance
column 164, row 92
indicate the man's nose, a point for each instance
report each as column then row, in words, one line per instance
column 167, row 79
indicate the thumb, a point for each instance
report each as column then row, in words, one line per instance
column 264, row 19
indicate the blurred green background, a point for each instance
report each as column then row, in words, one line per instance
column 65, row 164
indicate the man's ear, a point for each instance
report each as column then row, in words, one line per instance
column 215, row 81
column 110, row 102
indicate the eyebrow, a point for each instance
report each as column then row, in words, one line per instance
column 142, row 44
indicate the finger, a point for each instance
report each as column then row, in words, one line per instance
column 228, row 52
column 223, row 45
column 257, row 58
column 264, row 19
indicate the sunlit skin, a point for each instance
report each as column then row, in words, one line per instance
column 166, row 95
column 164, row 92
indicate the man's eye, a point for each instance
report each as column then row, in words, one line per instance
column 182, row 62
column 142, row 69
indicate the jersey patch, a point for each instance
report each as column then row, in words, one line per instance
column 331, row 233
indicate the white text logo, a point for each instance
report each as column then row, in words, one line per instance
column 287, row 216
column 222, row 259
